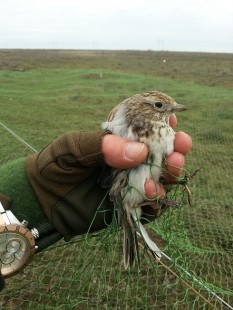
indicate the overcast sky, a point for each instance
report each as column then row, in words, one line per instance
column 178, row 25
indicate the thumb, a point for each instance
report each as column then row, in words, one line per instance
column 123, row 153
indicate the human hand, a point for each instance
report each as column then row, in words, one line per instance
column 122, row 153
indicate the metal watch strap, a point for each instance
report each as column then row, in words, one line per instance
column 7, row 217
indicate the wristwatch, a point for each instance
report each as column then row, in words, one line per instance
column 17, row 243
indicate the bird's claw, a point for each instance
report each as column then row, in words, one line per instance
column 182, row 181
column 188, row 177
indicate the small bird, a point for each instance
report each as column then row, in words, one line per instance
column 144, row 118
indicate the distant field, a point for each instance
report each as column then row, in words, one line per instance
column 45, row 93
column 200, row 68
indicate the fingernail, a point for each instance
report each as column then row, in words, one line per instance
column 133, row 150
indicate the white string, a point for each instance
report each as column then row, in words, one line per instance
column 18, row 138
column 199, row 282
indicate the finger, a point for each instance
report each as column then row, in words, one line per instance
column 122, row 153
column 173, row 121
column 174, row 164
column 153, row 190
column 182, row 143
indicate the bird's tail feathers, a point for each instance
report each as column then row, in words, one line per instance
column 129, row 221
column 143, row 233
column 130, row 247
column 130, row 243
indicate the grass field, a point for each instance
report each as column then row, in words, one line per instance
column 45, row 93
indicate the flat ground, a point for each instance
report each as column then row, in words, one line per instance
column 201, row 68
column 44, row 93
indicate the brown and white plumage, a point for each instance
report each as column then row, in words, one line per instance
column 145, row 118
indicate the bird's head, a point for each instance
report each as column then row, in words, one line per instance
column 162, row 103
column 152, row 105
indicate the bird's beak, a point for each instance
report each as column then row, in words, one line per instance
column 179, row 107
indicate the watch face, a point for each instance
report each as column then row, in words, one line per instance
column 17, row 245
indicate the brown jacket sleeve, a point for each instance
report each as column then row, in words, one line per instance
column 64, row 177
column 71, row 157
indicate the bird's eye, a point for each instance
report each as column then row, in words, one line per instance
column 158, row 105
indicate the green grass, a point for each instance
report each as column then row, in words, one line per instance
column 45, row 93
column 40, row 104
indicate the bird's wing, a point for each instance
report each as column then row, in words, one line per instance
column 116, row 122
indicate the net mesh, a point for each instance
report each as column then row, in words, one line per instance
column 88, row 272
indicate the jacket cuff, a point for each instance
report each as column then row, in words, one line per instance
column 90, row 148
